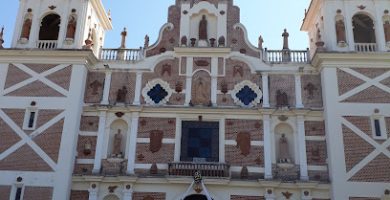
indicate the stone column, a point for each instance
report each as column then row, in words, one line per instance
column 106, row 89
column 214, row 80
column 127, row 192
column 99, row 144
column 138, row 87
column 302, row 148
column 93, row 193
column 132, row 143
column 178, row 140
column 267, row 147
column 188, row 90
column 298, row 91
column 265, row 90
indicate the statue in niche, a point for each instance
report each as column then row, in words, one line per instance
column 72, row 23
column 156, row 137
column 340, row 31
column 116, row 151
column 121, row 95
column 26, row 29
column 386, row 27
column 166, row 69
column 200, row 97
column 244, row 142
column 284, row 156
column 281, row 99
column 203, row 28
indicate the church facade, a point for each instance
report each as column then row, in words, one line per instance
column 200, row 114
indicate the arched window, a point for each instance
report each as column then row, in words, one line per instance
column 50, row 27
column 196, row 197
column 363, row 29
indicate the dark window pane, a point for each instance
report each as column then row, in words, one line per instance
column 377, row 124
column 31, row 120
column 18, row 193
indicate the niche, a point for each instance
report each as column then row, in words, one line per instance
column 117, row 139
column 284, row 144
column 50, row 27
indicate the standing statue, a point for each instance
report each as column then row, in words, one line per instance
column 201, row 97
column 386, row 27
column 72, row 23
column 26, row 29
column 123, row 40
column 261, row 41
column 1, row 38
column 340, row 31
column 117, row 144
column 285, row 36
column 146, row 43
column 203, row 28
column 284, row 156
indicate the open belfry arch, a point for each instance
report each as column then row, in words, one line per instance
column 201, row 113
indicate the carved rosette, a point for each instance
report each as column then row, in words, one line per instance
column 247, row 94
column 157, row 92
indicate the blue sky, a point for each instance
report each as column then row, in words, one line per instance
column 267, row 18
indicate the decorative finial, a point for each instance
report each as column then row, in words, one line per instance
column 146, row 43
column 109, row 15
column 124, row 35
column 1, row 38
column 261, row 41
column 88, row 41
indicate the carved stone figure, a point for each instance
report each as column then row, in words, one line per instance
column 238, row 70
column 146, row 43
column 72, row 23
column 154, row 169
column 315, row 153
column 261, row 41
column 200, row 97
column 121, row 95
column 203, row 28
column 285, row 36
column 156, row 137
column 184, row 41
column 117, row 144
column 1, row 38
column 123, row 41
column 281, row 99
column 386, row 27
column 340, row 31
column 284, row 156
column 95, row 85
column 244, row 143
column 166, row 69
column 26, row 29
column 310, row 88
column 244, row 172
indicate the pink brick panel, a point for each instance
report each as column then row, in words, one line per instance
column 38, row 193
column 235, row 126
column 146, row 125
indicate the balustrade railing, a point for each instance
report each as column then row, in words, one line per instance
column 219, row 170
column 121, row 54
column 47, row 44
column 286, row 56
column 366, row 47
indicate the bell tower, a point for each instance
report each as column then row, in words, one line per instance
column 345, row 26
column 48, row 24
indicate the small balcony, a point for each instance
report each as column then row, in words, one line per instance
column 286, row 56
column 121, row 54
column 47, row 44
column 216, row 170
column 366, row 47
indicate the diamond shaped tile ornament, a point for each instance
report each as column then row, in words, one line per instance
column 246, row 94
column 157, row 92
